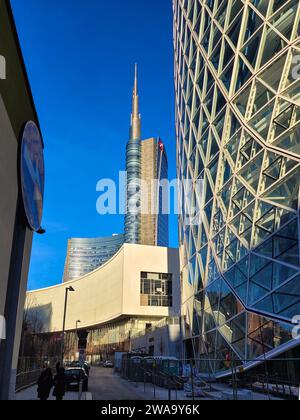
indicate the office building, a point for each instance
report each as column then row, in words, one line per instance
column 86, row 255
column 154, row 217
column 237, row 101
column 146, row 220
column 133, row 169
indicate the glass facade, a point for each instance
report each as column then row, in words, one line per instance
column 146, row 162
column 133, row 213
column 238, row 125
column 154, row 202
column 133, row 169
column 163, row 217
column 86, row 255
column 102, row 342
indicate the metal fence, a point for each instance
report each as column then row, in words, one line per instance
column 174, row 379
column 29, row 370
column 27, row 379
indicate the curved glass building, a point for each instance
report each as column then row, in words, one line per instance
column 238, row 129
column 86, row 255
column 133, row 169
column 162, row 219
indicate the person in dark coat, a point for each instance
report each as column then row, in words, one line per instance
column 45, row 383
column 59, row 384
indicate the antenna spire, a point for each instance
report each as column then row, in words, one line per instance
column 135, row 116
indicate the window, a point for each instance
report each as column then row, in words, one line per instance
column 156, row 289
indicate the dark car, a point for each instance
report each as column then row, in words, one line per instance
column 73, row 377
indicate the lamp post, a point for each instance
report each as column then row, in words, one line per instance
column 68, row 289
column 77, row 322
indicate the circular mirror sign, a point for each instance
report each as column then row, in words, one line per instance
column 32, row 175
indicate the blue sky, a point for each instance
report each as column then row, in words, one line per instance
column 80, row 57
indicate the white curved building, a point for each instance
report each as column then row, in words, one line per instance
column 129, row 294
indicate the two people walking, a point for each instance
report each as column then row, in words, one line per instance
column 46, row 382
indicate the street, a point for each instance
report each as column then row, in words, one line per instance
column 105, row 385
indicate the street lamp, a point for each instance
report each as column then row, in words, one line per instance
column 68, row 289
column 77, row 322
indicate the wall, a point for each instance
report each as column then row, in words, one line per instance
column 16, row 108
column 165, row 340
column 9, row 190
column 110, row 292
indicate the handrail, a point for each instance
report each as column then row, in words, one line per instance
column 27, row 379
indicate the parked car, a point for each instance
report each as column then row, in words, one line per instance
column 108, row 364
column 73, row 376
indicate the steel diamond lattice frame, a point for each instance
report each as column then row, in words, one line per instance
column 238, row 129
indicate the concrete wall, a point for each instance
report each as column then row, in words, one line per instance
column 16, row 108
column 108, row 293
column 166, row 341
column 9, row 195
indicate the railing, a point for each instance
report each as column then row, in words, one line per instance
column 27, row 379
column 29, row 370
column 189, row 379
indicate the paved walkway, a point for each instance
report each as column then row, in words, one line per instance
column 30, row 394
column 106, row 386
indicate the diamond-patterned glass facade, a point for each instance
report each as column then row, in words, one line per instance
column 238, row 129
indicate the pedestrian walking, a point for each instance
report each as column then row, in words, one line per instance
column 57, row 367
column 45, row 383
column 59, row 384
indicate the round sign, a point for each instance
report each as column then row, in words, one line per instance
column 32, row 175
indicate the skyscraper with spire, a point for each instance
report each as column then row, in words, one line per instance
column 146, row 162
column 133, row 169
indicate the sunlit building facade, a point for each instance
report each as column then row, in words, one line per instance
column 154, row 203
column 238, row 112
column 136, row 290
